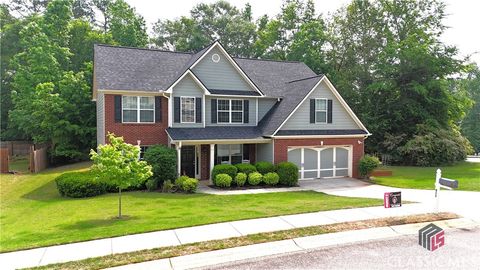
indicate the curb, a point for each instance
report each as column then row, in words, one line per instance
column 223, row 256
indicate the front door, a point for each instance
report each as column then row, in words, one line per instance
column 188, row 161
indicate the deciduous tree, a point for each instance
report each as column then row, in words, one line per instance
column 118, row 163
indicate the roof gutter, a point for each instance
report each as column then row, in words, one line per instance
column 318, row 136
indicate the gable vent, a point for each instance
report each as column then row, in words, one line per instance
column 215, row 57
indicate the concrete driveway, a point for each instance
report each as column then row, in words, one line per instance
column 461, row 202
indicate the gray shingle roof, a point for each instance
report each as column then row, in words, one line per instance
column 121, row 68
column 134, row 69
column 233, row 92
column 294, row 93
column 212, row 133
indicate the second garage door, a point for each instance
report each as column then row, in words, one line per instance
column 321, row 162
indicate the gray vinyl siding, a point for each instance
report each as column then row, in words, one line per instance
column 222, row 75
column 100, row 118
column 264, row 105
column 187, row 87
column 340, row 117
column 265, row 152
column 251, row 112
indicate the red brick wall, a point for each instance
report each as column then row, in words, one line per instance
column 205, row 162
column 149, row 134
column 252, row 153
column 281, row 146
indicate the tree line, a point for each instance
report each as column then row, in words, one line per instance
column 415, row 94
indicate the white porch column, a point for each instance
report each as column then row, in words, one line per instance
column 179, row 158
column 212, row 160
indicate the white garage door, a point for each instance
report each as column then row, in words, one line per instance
column 321, row 162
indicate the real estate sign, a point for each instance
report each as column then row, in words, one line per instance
column 392, row 199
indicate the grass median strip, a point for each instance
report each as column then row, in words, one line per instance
column 174, row 251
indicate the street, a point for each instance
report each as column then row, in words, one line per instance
column 461, row 251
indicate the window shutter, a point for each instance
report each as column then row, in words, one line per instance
column 329, row 111
column 158, row 109
column 214, row 111
column 198, row 110
column 245, row 111
column 312, row 111
column 176, row 109
column 118, row 108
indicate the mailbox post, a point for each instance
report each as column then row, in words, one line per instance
column 442, row 183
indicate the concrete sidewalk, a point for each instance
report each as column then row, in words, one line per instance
column 102, row 247
column 219, row 257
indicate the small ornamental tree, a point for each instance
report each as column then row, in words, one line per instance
column 118, row 163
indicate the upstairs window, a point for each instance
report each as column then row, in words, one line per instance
column 321, row 110
column 187, row 105
column 138, row 109
column 230, row 111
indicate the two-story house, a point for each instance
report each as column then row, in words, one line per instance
column 215, row 108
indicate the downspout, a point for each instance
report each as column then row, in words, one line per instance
column 168, row 106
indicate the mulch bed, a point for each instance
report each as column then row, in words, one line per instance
column 249, row 187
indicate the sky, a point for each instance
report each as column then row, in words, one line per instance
column 463, row 19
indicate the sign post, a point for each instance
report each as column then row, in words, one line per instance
column 442, row 183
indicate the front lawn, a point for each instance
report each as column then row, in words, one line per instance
column 467, row 174
column 33, row 214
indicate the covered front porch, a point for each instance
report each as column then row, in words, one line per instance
column 199, row 149
column 197, row 159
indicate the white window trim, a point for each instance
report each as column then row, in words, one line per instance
column 230, row 111
column 194, row 110
column 318, row 110
column 138, row 110
column 230, row 152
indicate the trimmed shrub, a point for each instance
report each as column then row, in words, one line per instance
column 151, row 184
column 167, row 186
column 179, row 181
column 367, row 164
column 163, row 161
column 264, row 167
column 288, row 173
column 224, row 168
column 255, row 178
column 271, row 178
column 189, row 185
column 223, row 180
column 245, row 168
column 240, row 179
column 79, row 185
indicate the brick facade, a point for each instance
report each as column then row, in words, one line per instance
column 252, row 153
column 149, row 134
column 205, row 161
column 281, row 146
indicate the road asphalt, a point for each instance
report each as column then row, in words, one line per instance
column 461, row 251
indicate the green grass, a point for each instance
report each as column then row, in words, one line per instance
column 467, row 174
column 19, row 164
column 33, row 214
column 186, row 249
